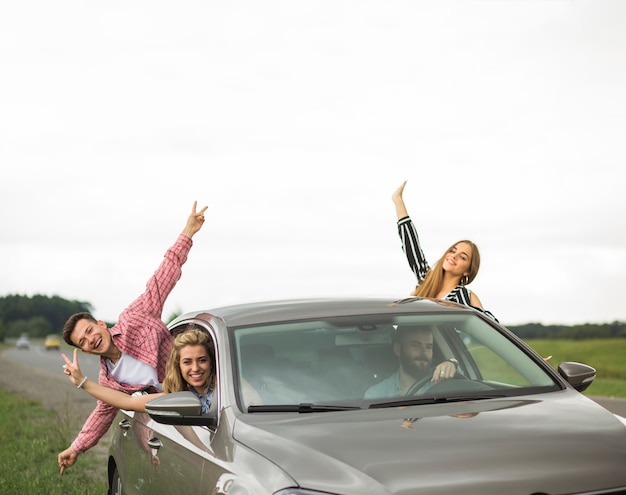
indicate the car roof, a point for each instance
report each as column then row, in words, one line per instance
column 262, row 312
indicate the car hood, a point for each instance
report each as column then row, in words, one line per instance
column 554, row 443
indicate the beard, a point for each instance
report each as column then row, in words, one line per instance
column 417, row 367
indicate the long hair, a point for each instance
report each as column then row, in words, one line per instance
column 432, row 283
column 174, row 381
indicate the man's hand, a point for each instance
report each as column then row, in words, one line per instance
column 444, row 371
column 195, row 220
column 71, row 368
column 67, row 458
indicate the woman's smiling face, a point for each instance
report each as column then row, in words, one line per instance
column 195, row 366
column 458, row 259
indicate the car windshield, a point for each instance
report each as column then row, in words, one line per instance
column 353, row 362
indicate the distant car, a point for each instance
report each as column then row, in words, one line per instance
column 509, row 424
column 52, row 342
column 23, row 343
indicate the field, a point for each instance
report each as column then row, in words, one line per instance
column 607, row 356
column 31, row 437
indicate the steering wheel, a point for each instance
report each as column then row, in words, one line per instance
column 417, row 386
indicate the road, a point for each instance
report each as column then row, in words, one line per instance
column 50, row 361
column 615, row 405
column 37, row 373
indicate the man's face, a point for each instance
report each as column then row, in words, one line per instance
column 415, row 352
column 90, row 337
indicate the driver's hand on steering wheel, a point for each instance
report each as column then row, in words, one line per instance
column 444, row 371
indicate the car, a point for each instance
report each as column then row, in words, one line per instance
column 52, row 342
column 23, row 343
column 507, row 423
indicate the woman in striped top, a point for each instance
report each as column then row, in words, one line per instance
column 453, row 271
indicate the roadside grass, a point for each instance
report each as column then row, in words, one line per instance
column 31, row 438
column 607, row 356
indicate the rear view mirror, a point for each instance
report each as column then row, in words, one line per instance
column 179, row 408
column 578, row 375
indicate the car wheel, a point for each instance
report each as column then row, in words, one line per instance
column 115, row 485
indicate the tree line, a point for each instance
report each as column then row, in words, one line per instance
column 528, row 331
column 36, row 316
column 41, row 315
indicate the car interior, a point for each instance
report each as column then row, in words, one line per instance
column 338, row 361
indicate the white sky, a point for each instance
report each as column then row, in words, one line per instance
column 294, row 121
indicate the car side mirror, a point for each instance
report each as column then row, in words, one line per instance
column 578, row 375
column 180, row 408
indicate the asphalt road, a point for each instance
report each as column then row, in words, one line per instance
column 50, row 361
column 615, row 405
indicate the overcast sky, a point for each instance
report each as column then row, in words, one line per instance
column 294, row 121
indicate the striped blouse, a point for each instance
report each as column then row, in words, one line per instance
column 420, row 267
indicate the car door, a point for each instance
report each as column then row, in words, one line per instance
column 179, row 456
column 182, row 457
column 162, row 459
column 135, row 462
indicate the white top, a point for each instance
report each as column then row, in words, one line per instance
column 131, row 370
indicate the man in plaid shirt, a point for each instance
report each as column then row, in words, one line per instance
column 133, row 353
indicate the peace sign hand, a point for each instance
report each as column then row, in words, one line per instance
column 71, row 368
column 195, row 220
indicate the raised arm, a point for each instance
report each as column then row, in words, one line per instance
column 408, row 236
column 115, row 398
column 169, row 272
column 194, row 221
column 396, row 197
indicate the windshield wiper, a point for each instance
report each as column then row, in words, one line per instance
column 418, row 401
column 301, row 408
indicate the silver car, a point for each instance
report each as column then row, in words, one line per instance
column 23, row 343
column 290, row 415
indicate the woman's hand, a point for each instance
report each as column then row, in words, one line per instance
column 397, row 194
column 396, row 197
column 72, row 370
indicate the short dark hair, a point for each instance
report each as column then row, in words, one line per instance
column 70, row 324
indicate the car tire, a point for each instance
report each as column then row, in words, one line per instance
column 115, row 485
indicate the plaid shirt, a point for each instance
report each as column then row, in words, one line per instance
column 141, row 334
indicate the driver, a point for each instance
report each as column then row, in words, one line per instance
column 414, row 348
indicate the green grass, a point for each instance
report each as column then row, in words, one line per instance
column 31, row 438
column 607, row 356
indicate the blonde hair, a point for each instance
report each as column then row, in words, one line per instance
column 174, row 381
column 433, row 281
